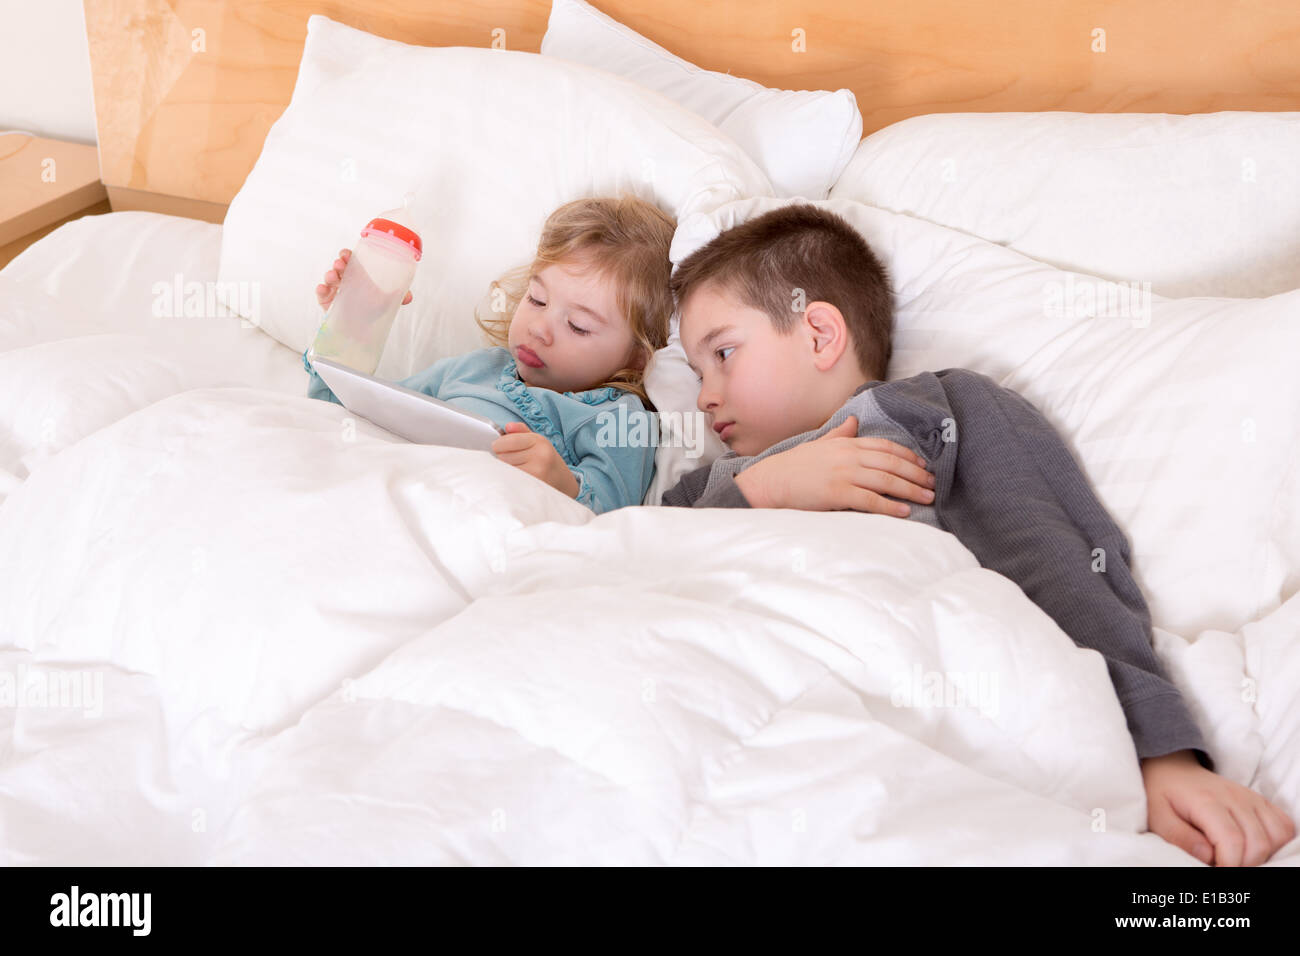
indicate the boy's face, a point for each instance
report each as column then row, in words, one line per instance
column 757, row 386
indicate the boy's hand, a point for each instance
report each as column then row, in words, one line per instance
column 1215, row 820
column 838, row 471
column 533, row 453
column 325, row 292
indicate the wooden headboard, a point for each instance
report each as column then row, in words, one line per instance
column 186, row 90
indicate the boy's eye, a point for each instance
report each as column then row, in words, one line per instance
column 578, row 330
column 535, row 302
column 725, row 348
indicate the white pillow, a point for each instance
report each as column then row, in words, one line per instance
column 491, row 141
column 1206, row 204
column 802, row 139
column 686, row 441
column 1186, row 427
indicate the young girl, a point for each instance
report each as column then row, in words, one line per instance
column 580, row 324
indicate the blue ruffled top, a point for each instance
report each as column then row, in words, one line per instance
column 584, row 427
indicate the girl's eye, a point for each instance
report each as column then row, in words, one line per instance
column 535, row 302
column 578, row 330
column 725, row 348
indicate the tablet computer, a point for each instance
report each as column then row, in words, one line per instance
column 403, row 411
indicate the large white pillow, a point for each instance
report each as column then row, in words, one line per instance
column 492, row 141
column 802, row 139
column 1207, row 204
column 1186, row 426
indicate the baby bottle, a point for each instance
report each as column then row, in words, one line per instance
column 377, row 277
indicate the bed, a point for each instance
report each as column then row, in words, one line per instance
column 240, row 626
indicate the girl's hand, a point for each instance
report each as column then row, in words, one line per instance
column 325, row 292
column 533, row 453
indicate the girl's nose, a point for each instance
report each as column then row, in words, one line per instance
column 540, row 329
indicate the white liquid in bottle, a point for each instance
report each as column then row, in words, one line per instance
column 377, row 277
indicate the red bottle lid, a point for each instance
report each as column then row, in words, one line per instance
column 397, row 231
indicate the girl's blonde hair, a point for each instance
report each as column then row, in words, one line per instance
column 626, row 239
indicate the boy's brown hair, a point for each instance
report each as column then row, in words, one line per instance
column 766, row 261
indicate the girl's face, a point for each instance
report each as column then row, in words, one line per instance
column 568, row 333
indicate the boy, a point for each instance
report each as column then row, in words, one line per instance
column 792, row 393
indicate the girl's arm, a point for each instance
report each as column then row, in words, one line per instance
column 428, row 380
column 607, row 475
column 316, row 387
column 611, row 475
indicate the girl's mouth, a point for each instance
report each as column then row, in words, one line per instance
column 529, row 357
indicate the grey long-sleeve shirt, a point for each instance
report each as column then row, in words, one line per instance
column 1011, row 491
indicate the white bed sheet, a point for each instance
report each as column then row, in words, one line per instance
column 298, row 640
column 116, row 312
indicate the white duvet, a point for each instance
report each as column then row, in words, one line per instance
column 238, row 626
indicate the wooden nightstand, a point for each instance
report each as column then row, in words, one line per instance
column 43, row 184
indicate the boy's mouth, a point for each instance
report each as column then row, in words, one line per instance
column 724, row 429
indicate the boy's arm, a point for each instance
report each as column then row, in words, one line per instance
column 1021, row 503
column 826, row 473
column 1025, row 509
column 690, row 493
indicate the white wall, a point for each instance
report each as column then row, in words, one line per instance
column 45, row 70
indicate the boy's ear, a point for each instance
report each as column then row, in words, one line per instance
column 830, row 333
